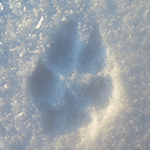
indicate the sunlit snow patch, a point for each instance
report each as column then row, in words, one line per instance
column 39, row 23
column 1, row 7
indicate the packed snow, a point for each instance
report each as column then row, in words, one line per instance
column 74, row 75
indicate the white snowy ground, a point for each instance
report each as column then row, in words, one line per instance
column 74, row 75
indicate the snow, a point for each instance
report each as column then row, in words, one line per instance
column 74, row 75
column 39, row 23
column 1, row 7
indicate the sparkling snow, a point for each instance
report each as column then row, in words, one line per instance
column 74, row 75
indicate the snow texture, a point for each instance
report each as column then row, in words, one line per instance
column 74, row 75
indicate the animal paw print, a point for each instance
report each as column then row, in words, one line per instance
column 68, row 82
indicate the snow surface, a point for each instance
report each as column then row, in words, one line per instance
column 74, row 75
